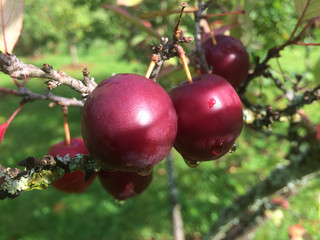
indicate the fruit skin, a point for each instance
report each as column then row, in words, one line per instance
column 228, row 58
column 73, row 182
column 129, row 123
column 210, row 117
column 124, row 185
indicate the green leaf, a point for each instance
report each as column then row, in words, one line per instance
column 11, row 19
column 313, row 9
column 136, row 22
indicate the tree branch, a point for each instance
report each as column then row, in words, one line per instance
column 261, row 67
column 11, row 65
column 29, row 96
column 40, row 173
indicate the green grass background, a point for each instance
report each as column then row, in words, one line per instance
column 204, row 191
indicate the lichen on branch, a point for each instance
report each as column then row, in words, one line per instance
column 40, row 173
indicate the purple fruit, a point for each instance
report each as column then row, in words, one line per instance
column 228, row 58
column 129, row 123
column 73, row 182
column 124, row 185
column 210, row 118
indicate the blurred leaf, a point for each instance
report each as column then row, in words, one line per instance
column 244, row 30
column 297, row 232
column 276, row 216
column 165, row 12
column 313, row 9
column 4, row 126
column 138, row 23
column 11, row 23
column 280, row 201
column 129, row 3
column 316, row 71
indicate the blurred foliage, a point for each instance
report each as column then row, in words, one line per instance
column 50, row 23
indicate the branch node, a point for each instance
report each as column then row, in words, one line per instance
column 46, row 68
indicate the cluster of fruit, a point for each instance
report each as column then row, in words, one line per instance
column 130, row 123
column 121, row 185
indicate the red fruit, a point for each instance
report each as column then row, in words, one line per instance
column 124, row 185
column 228, row 58
column 210, row 118
column 73, row 182
column 318, row 132
column 129, row 123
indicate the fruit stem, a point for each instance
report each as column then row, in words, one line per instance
column 182, row 56
column 150, row 68
column 66, row 125
column 214, row 41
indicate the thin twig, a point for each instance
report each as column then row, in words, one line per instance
column 174, row 196
column 29, row 96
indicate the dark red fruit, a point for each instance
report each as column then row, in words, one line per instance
column 210, row 118
column 124, row 185
column 129, row 123
column 73, row 182
column 318, row 132
column 228, row 58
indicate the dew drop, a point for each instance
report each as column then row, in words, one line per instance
column 192, row 163
column 145, row 171
column 217, row 148
column 233, row 148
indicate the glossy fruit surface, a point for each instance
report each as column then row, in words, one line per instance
column 124, row 185
column 129, row 123
column 73, row 182
column 228, row 58
column 210, row 118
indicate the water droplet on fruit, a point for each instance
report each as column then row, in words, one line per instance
column 217, row 148
column 192, row 163
column 211, row 102
column 145, row 171
column 233, row 148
